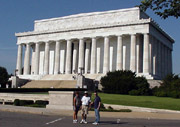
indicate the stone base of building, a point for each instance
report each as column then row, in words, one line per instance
column 154, row 83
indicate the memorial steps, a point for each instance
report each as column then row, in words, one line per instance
column 58, row 77
column 56, row 81
column 51, row 84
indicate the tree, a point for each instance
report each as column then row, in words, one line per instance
column 124, row 81
column 170, row 87
column 3, row 76
column 163, row 8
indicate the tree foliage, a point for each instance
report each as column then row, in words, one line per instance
column 124, row 82
column 3, row 76
column 163, row 8
column 170, row 87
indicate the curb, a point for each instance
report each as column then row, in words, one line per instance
column 141, row 109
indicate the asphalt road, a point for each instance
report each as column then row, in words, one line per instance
column 12, row 119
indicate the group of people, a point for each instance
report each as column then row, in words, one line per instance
column 85, row 104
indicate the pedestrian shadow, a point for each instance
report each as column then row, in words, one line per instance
column 111, row 123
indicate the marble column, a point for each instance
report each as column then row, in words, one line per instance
column 133, row 53
column 75, row 57
column 138, row 54
column 27, row 60
column 146, row 54
column 81, row 54
column 155, row 49
column 36, row 72
column 19, row 59
column 119, row 53
column 106, row 55
column 159, row 59
column 165, row 61
column 124, row 57
column 162, row 60
column 167, row 57
column 46, row 57
column 171, row 61
column 57, row 58
column 68, row 57
column 93, row 56
column 87, row 57
column 151, row 43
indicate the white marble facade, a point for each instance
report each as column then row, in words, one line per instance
column 125, row 39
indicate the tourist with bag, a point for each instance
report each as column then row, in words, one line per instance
column 76, row 106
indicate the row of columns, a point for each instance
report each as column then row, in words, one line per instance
column 157, row 59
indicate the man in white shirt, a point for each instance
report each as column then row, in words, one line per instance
column 85, row 105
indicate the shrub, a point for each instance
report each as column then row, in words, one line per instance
column 174, row 94
column 124, row 81
column 40, row 102
column 16, row 102
column 142, row 86
column 120, row 82
column 125, row 110
column 102, row 106
column 134, row 92
column 110, row 108
column 26, row 102
column 160, row 94
column 170, row 87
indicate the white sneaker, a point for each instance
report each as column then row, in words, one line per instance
column 84, row 122
column 74, row 121
column 95, row 123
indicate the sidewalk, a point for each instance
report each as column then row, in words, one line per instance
column 44, row 111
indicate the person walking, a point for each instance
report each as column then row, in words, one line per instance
column 86, row 101
column 76, row 106
column 97, row 105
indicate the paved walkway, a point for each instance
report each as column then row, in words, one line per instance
column 44, row 111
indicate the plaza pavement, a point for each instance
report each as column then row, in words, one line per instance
column 138, row 115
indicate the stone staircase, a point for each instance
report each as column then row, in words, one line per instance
column 58, row 77
column 58, row 81
column 51, row 84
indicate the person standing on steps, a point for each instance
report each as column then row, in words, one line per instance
column 76, row 106
column 97, row 105
column 86, row 103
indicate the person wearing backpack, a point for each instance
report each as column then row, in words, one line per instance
column 76, row 106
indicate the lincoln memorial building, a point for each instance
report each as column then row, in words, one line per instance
column 98, row 42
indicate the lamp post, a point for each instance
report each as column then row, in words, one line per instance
column 81, row 70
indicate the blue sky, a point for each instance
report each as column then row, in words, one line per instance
column 19, row 15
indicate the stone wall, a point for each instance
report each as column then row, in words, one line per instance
column 60, row 100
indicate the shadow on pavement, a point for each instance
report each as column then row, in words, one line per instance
column 111, row 122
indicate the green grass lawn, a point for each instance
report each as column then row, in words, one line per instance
column 141, row 101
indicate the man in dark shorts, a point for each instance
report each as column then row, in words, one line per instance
column 97, row 104
column 76, row 106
